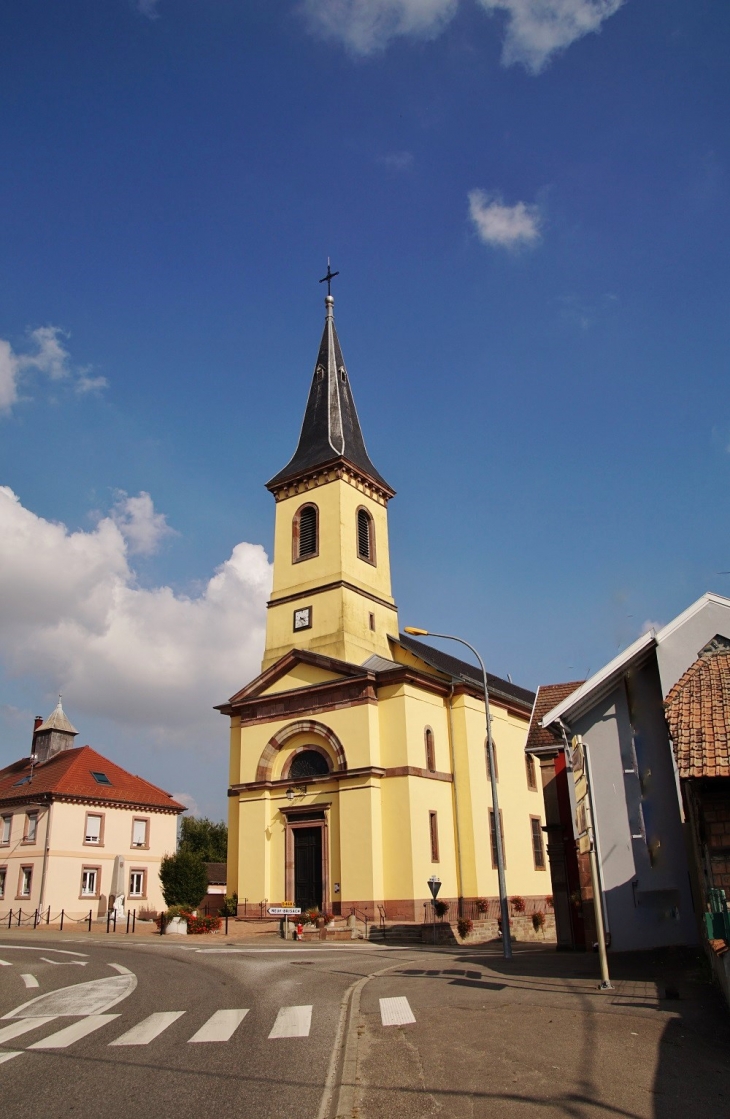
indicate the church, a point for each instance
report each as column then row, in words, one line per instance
column 357, row 756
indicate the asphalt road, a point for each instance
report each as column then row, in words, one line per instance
column 116, row 985
column 197, row 1027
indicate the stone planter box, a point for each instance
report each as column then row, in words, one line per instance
column 176, row 926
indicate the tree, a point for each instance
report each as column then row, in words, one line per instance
column 184, row 879
column 200, row 836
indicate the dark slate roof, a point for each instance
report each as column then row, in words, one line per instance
column 548, row 696
column 331, row 429
column 462, row 670
column 216, row 873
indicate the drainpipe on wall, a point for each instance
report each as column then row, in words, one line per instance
column 455, row 797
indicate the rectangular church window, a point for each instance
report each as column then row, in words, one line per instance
column 538, row 851
column 434, row 835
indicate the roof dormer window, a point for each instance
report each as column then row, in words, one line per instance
column 100, row 778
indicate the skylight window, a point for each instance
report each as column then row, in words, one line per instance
column 23, row 781
column 100, row 778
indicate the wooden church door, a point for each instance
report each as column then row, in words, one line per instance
column 308, row 867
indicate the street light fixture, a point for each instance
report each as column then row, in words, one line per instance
column 503, row 905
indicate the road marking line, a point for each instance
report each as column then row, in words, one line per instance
column 65, row 963
column 23, row 1026
column 220, row 1026
column 9, row 1056
column 292, row 1021
column 121, row 969
column 396, row 1012
column 5, row 963
column 145, row 1032
column 27, row 948
column 63, row 1038
column 94, row 997
column 30, row 980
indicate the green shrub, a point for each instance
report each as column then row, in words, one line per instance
column 184, row 879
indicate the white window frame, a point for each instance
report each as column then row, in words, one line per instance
column 3, row 881
column 141, row 892
column 141, row 820
column 90, row 870
column 94, row 841
column 25, row 872
column 7, row 823
column 31, row 827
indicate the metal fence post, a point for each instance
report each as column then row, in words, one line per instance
column 61, row 929
column 10, row 918
column 115, row 921
column 108, row 918
column 48, row 916
column 89, row 920
column 226, row 924
column 35, row 919
column 134, row 919
column 20, row 914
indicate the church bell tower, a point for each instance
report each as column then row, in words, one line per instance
column 332, row 591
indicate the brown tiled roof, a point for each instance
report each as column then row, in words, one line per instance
column 69, row 774
column 216, row 873
column 548, row 696
column 698, row 714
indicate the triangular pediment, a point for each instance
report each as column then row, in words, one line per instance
column 298, row 668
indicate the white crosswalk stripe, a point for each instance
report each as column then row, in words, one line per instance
column 63, row 1038
column 22, row 1026
column 396, row 1012
column 30, row 980
column 9, row 1056
column 221, row 1026
column 5, row 963
column 292, row 1021
column 149, row 1029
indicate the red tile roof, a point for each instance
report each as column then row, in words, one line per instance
column 69, row 774
column 698, row 714
column 548, row 696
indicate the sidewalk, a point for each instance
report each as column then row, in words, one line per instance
column 535, row 1037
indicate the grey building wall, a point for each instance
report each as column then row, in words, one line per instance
column 679, row 648
column 639, row 825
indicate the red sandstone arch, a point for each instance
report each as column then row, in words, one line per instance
column 303, row 726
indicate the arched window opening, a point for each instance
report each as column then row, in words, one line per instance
column 309, row 763
column 306, row 532
column 430, row 750
column 365, row 536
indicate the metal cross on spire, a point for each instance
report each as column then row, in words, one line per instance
column 329, row 277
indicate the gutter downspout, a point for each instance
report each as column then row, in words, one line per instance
column 455, row 798
column 46, row 851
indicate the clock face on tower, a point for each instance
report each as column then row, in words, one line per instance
column 303, row 618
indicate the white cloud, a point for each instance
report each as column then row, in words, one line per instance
column 650, row 627
column 142, row 528
column 74, row 619
column 505, row 226
column 45, row 354
column 537, row 29
column 367, row 26
column 397, row 161
column 189, row 801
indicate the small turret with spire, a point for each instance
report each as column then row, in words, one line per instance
column 53, row 736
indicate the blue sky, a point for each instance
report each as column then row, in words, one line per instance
column 528, row 203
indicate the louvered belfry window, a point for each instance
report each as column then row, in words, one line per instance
column 364, row 535
column 308, row 531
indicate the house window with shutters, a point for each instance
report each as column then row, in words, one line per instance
column 531, row 773
column 538, row 849
column 25, row 882
column 93, row 829
column 90, row 878
column 3, row 876
column 493, row 837
column 430, row 750
column 365, row 535
column 305, row 533
column 140, row 832
column 137, row 883
column 7, row 828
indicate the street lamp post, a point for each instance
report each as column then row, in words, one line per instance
column 503, row 904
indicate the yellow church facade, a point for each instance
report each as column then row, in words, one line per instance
column 357, row 757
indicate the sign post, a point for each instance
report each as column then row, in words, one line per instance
column 586, row 835
column 285, row 911
column 434, row 885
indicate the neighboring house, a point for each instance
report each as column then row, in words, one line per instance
column 66, row 814
column 358, row 765
column 639, row 815
column 216, row 896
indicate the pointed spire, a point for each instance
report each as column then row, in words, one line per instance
column 331, row 428
column 57, row 721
